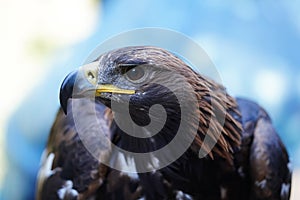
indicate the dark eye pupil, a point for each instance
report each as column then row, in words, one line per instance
column 91, row 75
column 135, row 73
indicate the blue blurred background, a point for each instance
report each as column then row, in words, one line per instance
column 255, row 46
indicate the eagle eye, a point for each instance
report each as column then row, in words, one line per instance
column 135, row 74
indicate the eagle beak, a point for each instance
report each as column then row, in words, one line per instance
column 77, row 84
column 66, row 90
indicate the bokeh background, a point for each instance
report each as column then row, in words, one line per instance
column 255, row 46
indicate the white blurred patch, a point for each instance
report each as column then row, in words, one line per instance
column 30, row 34
column 270, row 85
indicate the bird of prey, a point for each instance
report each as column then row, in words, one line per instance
column 233, row 154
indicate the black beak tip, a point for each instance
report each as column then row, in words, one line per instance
column 64, row 105
column 66, row 90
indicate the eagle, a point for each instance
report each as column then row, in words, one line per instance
column 113, row 137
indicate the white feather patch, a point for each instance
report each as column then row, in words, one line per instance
column 261, row 184
column 285, row 190
column 45, row 170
